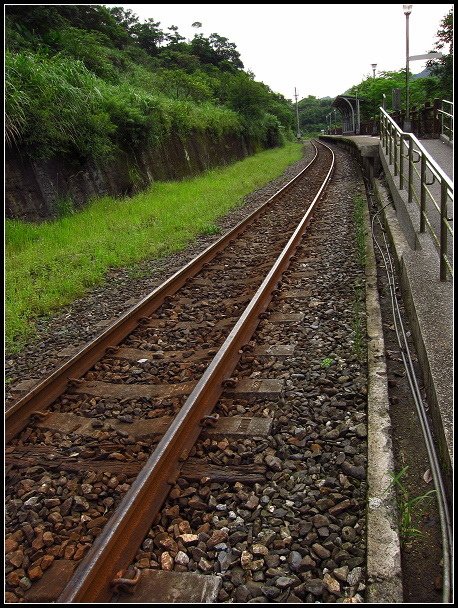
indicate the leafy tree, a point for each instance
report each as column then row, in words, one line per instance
column 313, row 112
column 216, row 50
column 149, row 36
column 174, row 38
column 443, row 68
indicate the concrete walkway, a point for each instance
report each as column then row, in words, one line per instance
column 442, row 153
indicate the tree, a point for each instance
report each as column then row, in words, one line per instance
column 443, row 67
column 149, row 36
column 216, row 50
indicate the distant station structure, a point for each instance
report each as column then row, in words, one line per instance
column 348, row 107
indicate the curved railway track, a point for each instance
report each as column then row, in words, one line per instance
column 129, row 407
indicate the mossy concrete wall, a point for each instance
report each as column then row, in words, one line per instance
column 38, row 189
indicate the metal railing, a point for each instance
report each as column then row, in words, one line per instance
column 405, row 152
column 446, row 119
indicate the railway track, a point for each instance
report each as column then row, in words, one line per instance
column 115, row 424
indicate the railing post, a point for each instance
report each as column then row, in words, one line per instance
column 443, row 232
column 442, row 120
column 385, row 132
column 409, row 195
column 422, row 193
column 395, row 144
column 436, row 106
column 390, row 157
column 401, row 162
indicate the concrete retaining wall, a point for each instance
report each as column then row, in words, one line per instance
column 37, row 190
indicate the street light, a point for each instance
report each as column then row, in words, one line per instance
column 335, row 121
column 407, row 10
column 374, row 65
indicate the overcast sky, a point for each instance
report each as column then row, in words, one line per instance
column 321, row 49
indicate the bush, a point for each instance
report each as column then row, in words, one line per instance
column 53, row 105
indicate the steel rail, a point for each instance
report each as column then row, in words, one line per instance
column 118, row 542
column 49, row 389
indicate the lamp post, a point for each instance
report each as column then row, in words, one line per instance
column 335, row 121
column 407, row 125
column 374, row 128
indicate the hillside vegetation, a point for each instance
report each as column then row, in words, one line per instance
column 87, row 81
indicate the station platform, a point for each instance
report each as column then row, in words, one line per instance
column 441, row 152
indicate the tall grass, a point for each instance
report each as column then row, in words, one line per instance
column 54, row 104
column 50, row 264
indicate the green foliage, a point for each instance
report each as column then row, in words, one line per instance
column 442, row 68
column 53, row 104
column 371, row 90
column 327, row 362
column 312, row 113
column 409, row 508
column 88, row 80
column 91, row 48
column 64, row 207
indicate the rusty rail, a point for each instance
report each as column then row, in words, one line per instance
column 116, row 546
column 47, row 391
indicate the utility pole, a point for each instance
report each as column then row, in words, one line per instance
column 297, row 115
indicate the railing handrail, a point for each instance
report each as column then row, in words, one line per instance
column 447, row 101
column 441, row 175
column 393, row 136
column 444, row 112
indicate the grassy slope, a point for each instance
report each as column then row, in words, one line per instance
column 48, row 265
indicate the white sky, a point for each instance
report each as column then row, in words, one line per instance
column 321, row 49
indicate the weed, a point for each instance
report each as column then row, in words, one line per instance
column 135, row 177
column 327, row 362
column 211, row 229
column 408, row 507
column 64, row 207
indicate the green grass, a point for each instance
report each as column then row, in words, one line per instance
column 409, row 508
column 48, row 265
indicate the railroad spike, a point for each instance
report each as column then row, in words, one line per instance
column 210, row 420
column 126, row 584
column 112, row 349
column 229, row 382
column 41, row 415
column 248, row 348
